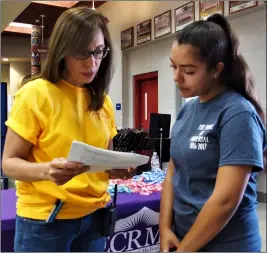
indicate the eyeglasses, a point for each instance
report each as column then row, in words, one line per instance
column 97, row 54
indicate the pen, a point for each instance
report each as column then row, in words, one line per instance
column 55, row 211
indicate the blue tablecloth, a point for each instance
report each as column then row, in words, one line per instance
column 136, row 227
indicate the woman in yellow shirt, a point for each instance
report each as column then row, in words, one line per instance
column 68, row 102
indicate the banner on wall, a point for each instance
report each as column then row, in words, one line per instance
column 207, row 8
column 184, row 15
column 236, row 6
column 144, row 32
column 136, row 233
column 163, row 24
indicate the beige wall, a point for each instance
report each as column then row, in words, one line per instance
column 17, row 71
column 12, row 73
column 15, row 47
column 10, row 10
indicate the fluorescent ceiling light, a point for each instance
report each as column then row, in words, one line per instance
column 5, row 59
column 20, row 25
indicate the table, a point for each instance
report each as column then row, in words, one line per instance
column 136, row 228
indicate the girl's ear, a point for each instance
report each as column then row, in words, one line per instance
column 218, row 70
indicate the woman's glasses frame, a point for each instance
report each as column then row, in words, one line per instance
column 98, row 54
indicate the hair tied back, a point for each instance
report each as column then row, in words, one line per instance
column 221, row 21
column 224, row 24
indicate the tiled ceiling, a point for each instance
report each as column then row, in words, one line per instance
column 34, row 11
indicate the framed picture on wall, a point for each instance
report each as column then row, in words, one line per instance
column 236, row 6
column 127, row 38
column 207, row 8
column 144, row 31
column 163, row 24
column 184, row 15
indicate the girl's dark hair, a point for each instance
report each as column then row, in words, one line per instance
column 216, row 42
column 72, row 33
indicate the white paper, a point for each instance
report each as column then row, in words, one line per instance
column 101, row 159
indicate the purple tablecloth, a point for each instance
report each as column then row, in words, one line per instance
column 128, row 205
column 8, row 209
column 8, row 216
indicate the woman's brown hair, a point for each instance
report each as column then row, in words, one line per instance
column 72, row 33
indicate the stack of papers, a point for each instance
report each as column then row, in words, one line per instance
column 101, row 159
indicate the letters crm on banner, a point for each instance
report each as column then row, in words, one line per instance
column 138, row 232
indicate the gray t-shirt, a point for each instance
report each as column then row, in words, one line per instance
column 226, row 130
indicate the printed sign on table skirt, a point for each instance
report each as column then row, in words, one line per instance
column 136, row 233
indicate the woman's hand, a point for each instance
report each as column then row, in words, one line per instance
column 121, row 173
column 61, row 171
column 168, row 241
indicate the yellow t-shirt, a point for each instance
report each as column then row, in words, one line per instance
column 51, row 116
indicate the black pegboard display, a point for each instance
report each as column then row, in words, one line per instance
column 134, row 141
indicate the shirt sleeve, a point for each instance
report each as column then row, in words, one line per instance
column 113, row 130
column 242, row 141
column 22, row 119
